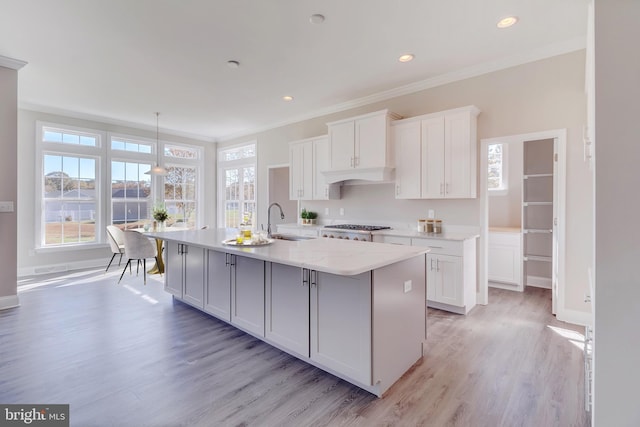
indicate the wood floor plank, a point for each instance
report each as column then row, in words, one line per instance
column 128, row 355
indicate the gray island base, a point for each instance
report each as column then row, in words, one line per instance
column 354, row 309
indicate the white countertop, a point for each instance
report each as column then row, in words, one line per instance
column 342, row 257
column 416, row 234
column 505, row 230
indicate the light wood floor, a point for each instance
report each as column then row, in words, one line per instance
column 128, row 355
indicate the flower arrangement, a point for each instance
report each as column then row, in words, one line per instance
column 160, row 214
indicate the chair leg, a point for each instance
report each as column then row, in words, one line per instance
column 144, row 270
column 114, row 255
column 119, row 261
column 125, row 269
column 137, row 268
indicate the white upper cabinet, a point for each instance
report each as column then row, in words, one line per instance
column 301, row 170
column 445, row 143
column 406, row 138
column 307, row 161
column 361, row 148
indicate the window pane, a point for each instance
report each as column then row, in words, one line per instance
column 130, row 194
column 495, row 171
column 180, row 194
column 181, row 152
column 117, row 145
column 51, row 136
column 131, row 146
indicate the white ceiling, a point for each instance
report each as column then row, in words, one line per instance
column 119, row 61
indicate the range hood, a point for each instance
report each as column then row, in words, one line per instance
column 377, row 174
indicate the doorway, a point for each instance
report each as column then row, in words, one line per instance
column 539, row 233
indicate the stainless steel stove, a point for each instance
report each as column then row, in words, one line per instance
column 351, row 231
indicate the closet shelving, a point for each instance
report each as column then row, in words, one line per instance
column 537, row 212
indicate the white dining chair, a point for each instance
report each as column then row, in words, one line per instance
column 116, row 242
column 138, row 247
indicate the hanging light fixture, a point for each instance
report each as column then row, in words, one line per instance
column 157, row 169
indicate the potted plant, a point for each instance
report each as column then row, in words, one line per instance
column 308, row 217
column 160, row 215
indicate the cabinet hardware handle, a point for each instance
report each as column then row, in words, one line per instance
column 446, row 188
column 305, row 276
column 431, row 267
column 441, row 189
column 314, row 277
column 232, row 260
column 357, row 161
column 437, row 265
column 185, row 249
column 226, row 259
column 398, row 190
column 351, row 162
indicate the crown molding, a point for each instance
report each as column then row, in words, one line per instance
column 548, row 51
column 108, row 120
column 14, row 64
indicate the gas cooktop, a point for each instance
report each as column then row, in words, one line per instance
column 357, row 227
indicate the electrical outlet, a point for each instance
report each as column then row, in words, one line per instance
column 431, row 214
column 326, row 211
column 342, row 211
column 407, row 286
column 6, row 206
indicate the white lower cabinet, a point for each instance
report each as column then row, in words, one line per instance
column 218, row 295
column 341, row 323
column 451, row 273
column 504, row 260
column 287, row 307
column 185, row 273
column 247, row 293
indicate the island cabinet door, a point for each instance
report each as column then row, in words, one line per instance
column 173, row 269
column 287, row 307
column 247, row 294
column 341, row 324
column 194, row 274
column 218, row 295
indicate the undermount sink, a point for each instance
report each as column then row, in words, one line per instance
column 291, row 237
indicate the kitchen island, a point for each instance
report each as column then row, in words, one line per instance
column 354, row 309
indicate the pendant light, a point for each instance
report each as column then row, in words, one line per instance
column 157, row 170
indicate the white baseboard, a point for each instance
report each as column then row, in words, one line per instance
column 507, row 286
column 59, row 268
column 9, row 302
column 576, row 317
column 539, row 282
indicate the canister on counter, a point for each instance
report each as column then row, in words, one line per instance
column 429, row 226
column 437, row 226
column 422, row 225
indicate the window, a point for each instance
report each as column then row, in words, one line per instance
column 77, row 168
column 237, row 184
column 69, row 187
column 130, row 193
column 497, row 174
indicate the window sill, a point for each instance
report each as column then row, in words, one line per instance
column 73, row 248
column 501, row 192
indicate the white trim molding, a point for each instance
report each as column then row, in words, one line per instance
column 10, row 301
column 14, row 64
column 59, row 268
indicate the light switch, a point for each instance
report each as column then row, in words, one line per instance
column 6, row 206
column 431, row 214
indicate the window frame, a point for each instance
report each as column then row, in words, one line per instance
column 504, row 175
column 222, row 166
column 97, row 152
column 198, row 163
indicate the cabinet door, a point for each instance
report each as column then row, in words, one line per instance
column 194, row 274
column 301, row 171
column 247, row 294
column 341, row 324
column 287, row 307
column 444, row 279
column 458, row 167
column 321, row 162
column 371, row 142
column 433, row 158
column 218, row 295
column 408, row 164
column 341, row 143
column 173, row 268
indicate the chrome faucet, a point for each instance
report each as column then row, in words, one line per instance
column 269, row 217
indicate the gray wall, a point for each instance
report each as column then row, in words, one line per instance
column 617, row 249
column 542, row 95
column 8, row 184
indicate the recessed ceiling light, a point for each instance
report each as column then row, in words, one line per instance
column 287, row 98
column 316, row 18
column 233, row 64
column 507, row 22
column 406, row 57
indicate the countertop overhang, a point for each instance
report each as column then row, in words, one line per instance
column 342, row 257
